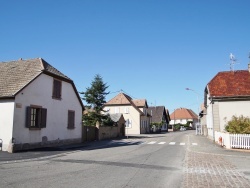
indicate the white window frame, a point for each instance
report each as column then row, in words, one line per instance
column 126, row 110
column 128, row 123
column 117, row 110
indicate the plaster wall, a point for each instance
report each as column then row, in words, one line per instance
column 131, row 114
column 39, row 92
column 6, row 122
column 231, row 108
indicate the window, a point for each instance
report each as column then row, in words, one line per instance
column 128, row 123
column 57, row 89
column 117, row 110
column 71, row 119
column 126, row 110
column 36, row 117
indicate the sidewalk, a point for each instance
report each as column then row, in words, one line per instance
column 49, row 152
column 210, row 165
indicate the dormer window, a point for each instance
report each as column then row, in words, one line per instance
column 57, row 89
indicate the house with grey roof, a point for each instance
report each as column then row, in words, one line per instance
column 39, row 106
column 135, row 112
column 160, row 115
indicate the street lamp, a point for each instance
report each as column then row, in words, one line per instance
column 198, row 110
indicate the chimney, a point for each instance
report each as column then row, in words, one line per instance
column 249, row 67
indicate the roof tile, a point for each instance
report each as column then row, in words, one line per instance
column 230, row 84
column 183, row 113
column 15, row 75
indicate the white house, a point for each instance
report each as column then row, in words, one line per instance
column 183, row 116
column 39, row 106
column 227, row 94
column 135, row 112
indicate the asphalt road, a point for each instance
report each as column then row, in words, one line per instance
column 157, row 160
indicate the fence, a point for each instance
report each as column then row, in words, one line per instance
column 241, row 141
column 91, row 133
column 237, row 141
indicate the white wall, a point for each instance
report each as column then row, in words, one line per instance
column 228, row 109
column 132, row 115
column 39, row 92
column 209, row 119
column 6, row 122
column 182, row 121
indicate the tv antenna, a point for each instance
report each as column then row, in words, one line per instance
column 249, row 57
column 232, row 61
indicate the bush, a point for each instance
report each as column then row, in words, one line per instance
column 238, row 125
column 177, row 126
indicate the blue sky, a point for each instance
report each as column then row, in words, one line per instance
column 150, row 49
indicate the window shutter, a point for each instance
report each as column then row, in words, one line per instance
column 57, row 88
column 43, row 117
column 71, row 119
column 28, row 116
column 59, row 85
column 54, row 89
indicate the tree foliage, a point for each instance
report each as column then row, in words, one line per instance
column 95, row 99
column 238, row 125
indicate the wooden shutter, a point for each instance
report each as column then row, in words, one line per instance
column 28, row 116
column 43, row 117
column 57, row 88
column 71, row 119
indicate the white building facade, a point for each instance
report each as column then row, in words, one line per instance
column 37, row 116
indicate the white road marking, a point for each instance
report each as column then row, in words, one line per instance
column 194, row 144
column 161, row 142
column 153, row 142
column 171, row 143
column 182, row 144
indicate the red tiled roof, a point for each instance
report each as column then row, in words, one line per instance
column 183, row 113
column 230, row 84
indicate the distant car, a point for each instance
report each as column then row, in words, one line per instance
column 183, row 128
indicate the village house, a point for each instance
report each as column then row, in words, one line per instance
column 160, row 115
column 183, row 116
column 227, row 94
column 135, row 112
column 39, row 106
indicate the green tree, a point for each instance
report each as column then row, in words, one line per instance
column 238, row 125
column 95, row 99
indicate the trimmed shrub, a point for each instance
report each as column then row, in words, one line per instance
column 238, row 125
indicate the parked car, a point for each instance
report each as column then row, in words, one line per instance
column 183, row 128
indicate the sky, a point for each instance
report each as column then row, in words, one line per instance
column 148, row 49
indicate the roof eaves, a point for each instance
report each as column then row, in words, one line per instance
column 221, row 98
